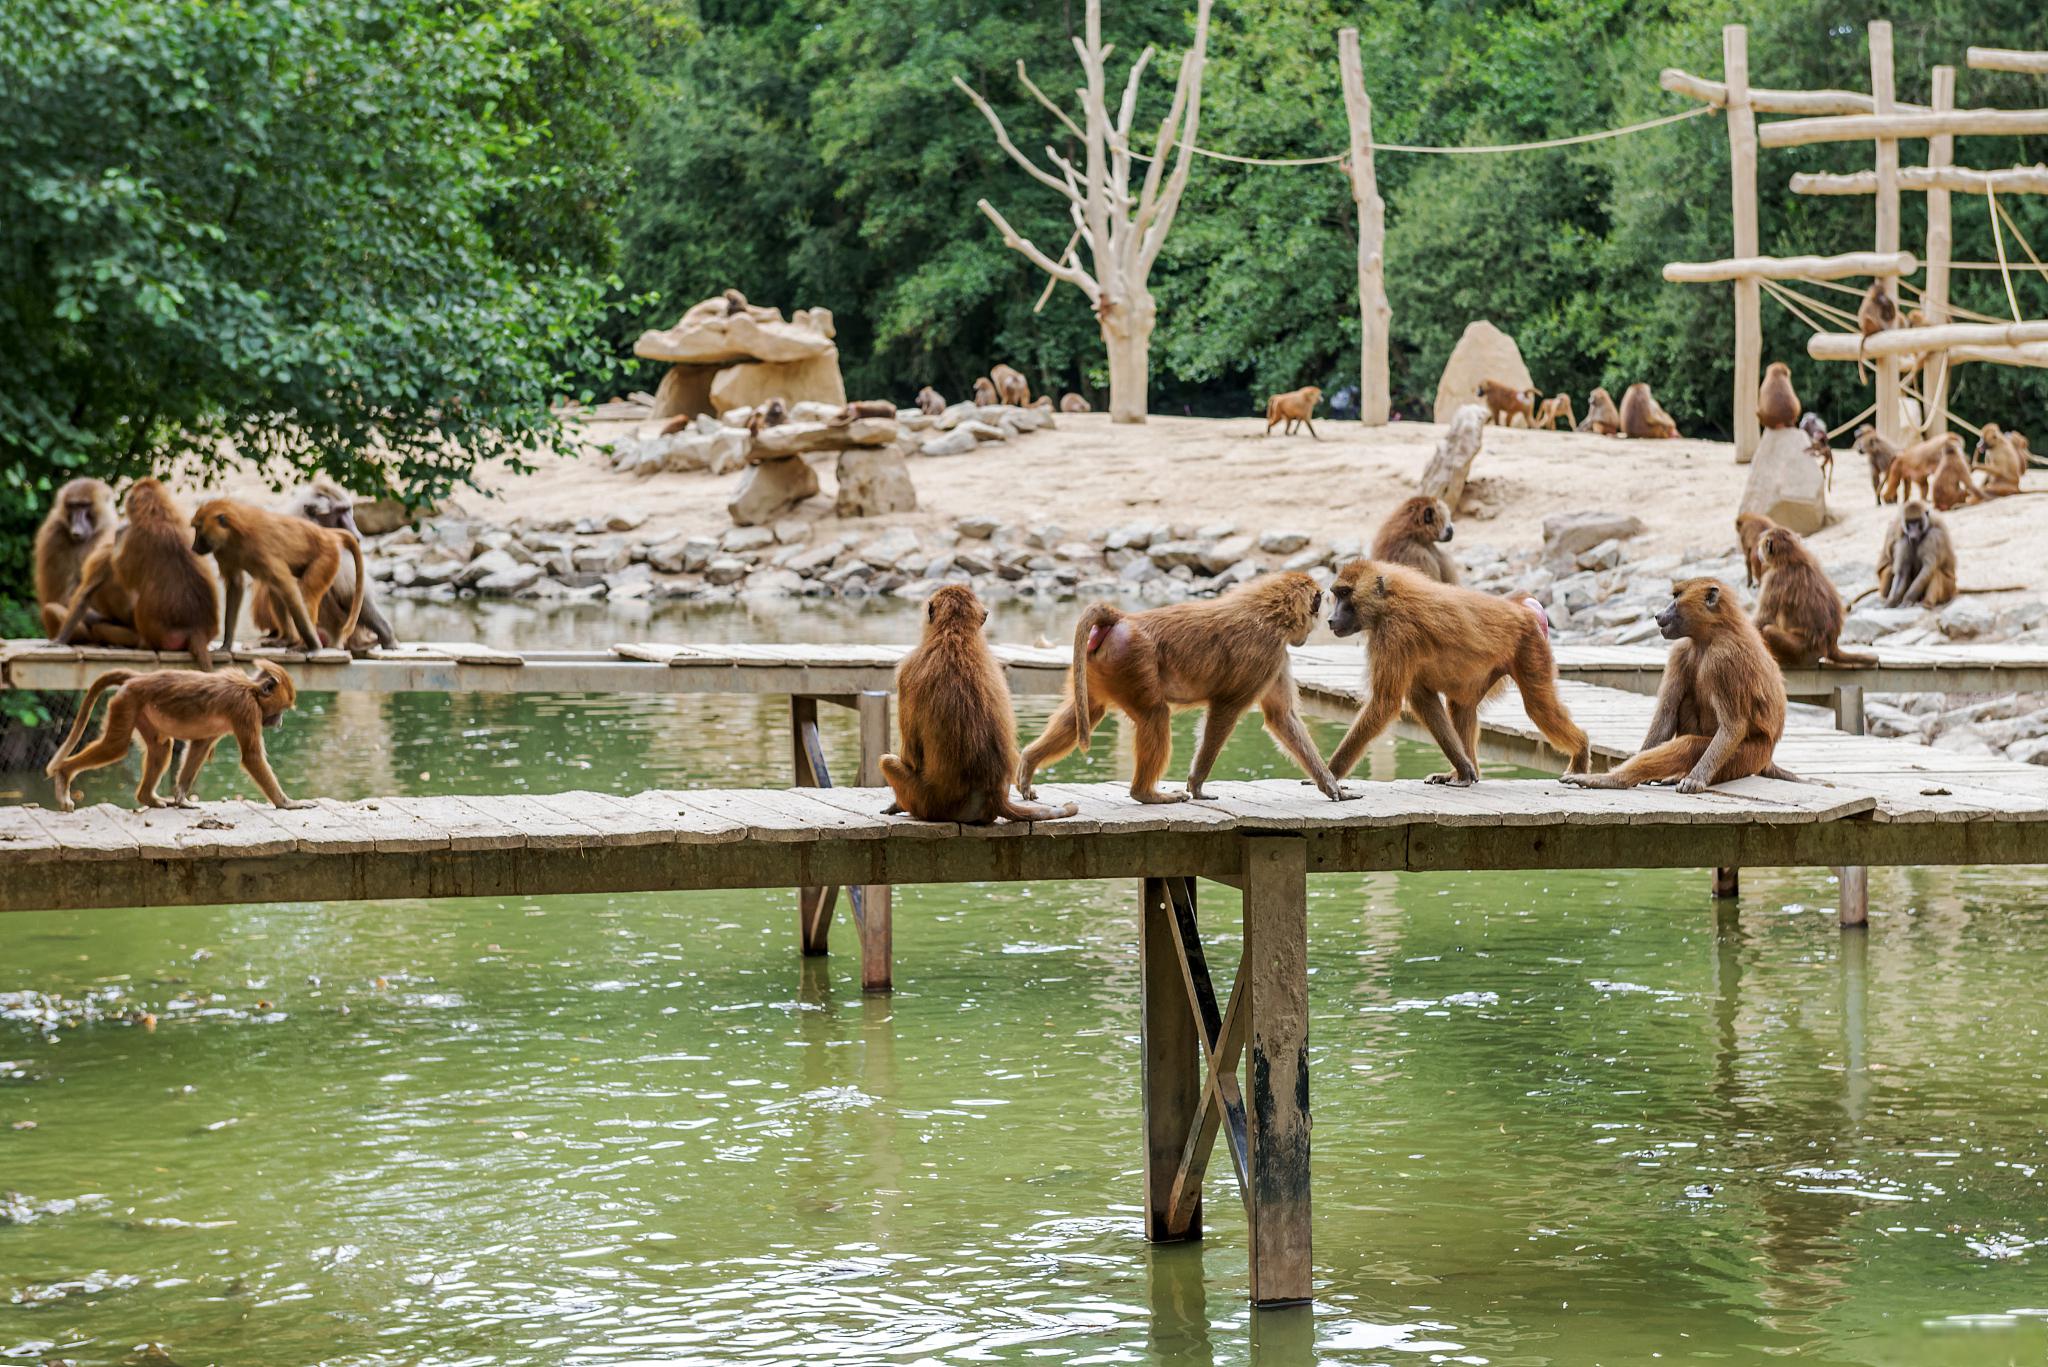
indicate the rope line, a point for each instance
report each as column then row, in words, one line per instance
column 1538, row 146
column 1998, row 240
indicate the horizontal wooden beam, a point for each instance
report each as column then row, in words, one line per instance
column 1792, row 267
column 1865, row 127
column 2032, row 354
column 2018, row 180
column 1765, row 101
column 2008, row 59
column 1847, row 346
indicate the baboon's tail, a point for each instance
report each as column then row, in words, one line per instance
column 355, row 607
column 1012, row 810
column 113, row 678
column 1093, row 618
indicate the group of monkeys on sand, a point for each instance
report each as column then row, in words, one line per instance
column 1639, row 414
column 1434, row 647
column 1002, row 385
column 147, row 580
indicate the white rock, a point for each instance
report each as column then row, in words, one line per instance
column 1484, row 352
column 484, row 566
column 873, row 483
column 1785, row 483
column 976, row 526
column 957, row 442
column 504, row 583
column 1225, row 554
column 770, row 490
column 1282, row 543
column 726, row 569
column 1566, row 534
column 740, row 540
column 1169, row 555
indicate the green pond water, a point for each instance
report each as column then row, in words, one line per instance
column 1559, row 1118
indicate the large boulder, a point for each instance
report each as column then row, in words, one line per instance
column 754, row 382
column 1785, row 483
column 873, row 482
column 1566, row 535
column 792, row 438
column 706, row 335
column 771, row 490
column 1483, row 353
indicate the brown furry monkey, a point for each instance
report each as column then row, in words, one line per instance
column 148, row 581
column 80, row 521
column 1777, row 403
column 288, row 557
column 1643, row 416
column 1296, row 407
column 326, row 504
column 1918, row 562
column 1798, row 609
column 1602, row 417
column 1414, row 535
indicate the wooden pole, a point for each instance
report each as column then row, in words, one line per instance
column 1375, row 315
column 1973, row 123
column 1940, row 152
column 1727, row 883
column 1887, row 163
column 1855, row 882
column 1169, row 1074
column 1839, row 346
column 1277, row 1133
column 1749, row 323
column 874, row 910
column 813, row 905
column 1840, row 267
column 2016, row 180
column 2007, row 59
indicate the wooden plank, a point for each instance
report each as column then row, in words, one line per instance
column 689, row 821
column 1277, row 1137
column 24, row 840
column 235, row 828
column 620, row 823
column 869, row 802
column 396, row 826
column 762, row 813
column 540, row 826
column 97, row 832
column 322, row 829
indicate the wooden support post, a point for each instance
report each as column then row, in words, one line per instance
column 1849, row 708
column 1749, row 324
column 1940, row 244
column 1170, row 1079
column 1727, row 883
column 874, row 903
column 813, row 905
column 1274, row 973
column 1887, row 165
column 1855, row 882
column 1375, row 315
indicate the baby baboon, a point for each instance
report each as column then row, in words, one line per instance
column 1643, row 416
column 148, row 578
column 985, row 393
column 1882, row 456
column 1293, row 408
column 1504, row 402
column 80, row 521
column 930, row 402
column 768, row 413
column 1602, row 417
column 1721, row 706
column 1413, row 535
column 1228, row 654
column 1010, row 386
column 289, row 558
column 1556, row 409
column 959, row 745
column 1750, row 529
column 1798, row 609
column 1777, row 404
column 1918, row 562
column 1429, row 645
column 1818, row 446
column 174, row 705
column 1073, row 403
column 2003, row 455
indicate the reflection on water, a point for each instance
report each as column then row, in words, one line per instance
column 1560, row 1118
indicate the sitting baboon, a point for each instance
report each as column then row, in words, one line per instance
column 1643, row 416
column 1293, row 408
column 1721, row 706
column 985, row 395
column 1918, row 562
column 80, row 521
column 1602, row 417
column 1074, row 403
column 1010, row 386
column 1413, row 535
column 1777, row 404
column 2004, row 458
column 768, row 413
column 1799, row 610
column 930, row 402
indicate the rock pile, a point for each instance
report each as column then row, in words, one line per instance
column 725, row 353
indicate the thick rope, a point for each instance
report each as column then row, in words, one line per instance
column 2020, row 238
column 1539, row 146
column 1998, row 240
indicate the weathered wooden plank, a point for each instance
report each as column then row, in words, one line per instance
column 692, row 823
column 405, row 826
column 1277, row 1138
column 322, row 829
column 234, row 828
column 869, row 802
column 97, row 832
column 619, row 823
column 24, row 840
column 540, row 826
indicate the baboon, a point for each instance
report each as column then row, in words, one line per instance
column 1777, row 404
column 1504, row 402
column 1228, row 654
column 1413, row 535
column 1750, row 529
column 174, row 705
column 289, row 557
column 1951, row 482
column 768, row 413
column 1819, row 447
column 151, row 587
column 2003, row 455
column 735, row 302
column 1882, row 456
column 1429, row 645
column 1073, row 403
column 1557, row 408
column 1293, row 408
column 1642, row 416
column 985, row 393
column 1602, row 417
column 1010, row 386
column 958, row 751
column 1937, row 467
column 1721, row 705
column 930, row 402
column 1918, row 562
column 80, row 521
column 1043, row 403
column 326, row 504
column 1798, row 609
column 1877, row 313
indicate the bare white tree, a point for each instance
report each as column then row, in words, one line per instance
column 1122, row 234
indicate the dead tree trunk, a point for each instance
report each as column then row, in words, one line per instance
column 1121, row 233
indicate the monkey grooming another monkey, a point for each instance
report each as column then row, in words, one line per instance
column 1228, row 654
column 1556, row 409
column 1431, row 645
column 1602, row 417
column 173, row 705
column 958, row 748
column 1293, row 408
column 326, row 504
column 930, row 402
column 1918, row 562
column 1010, row 386
column 80, row 521
column 288, row 557
column 1413, row 536
column 1074, row 403
column 2003, row 456
column 1504, row 402
column 1798, row 609
column 985, row 393
column 1643, row 416
column 1750, row 529
column 147, row 579
column 1721, row 705
column 1777, row 405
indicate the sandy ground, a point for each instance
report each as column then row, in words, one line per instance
column 1088, row 475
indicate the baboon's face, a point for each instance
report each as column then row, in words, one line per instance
column 1436, row 520
column 1359, row 588
column 1692, row 601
